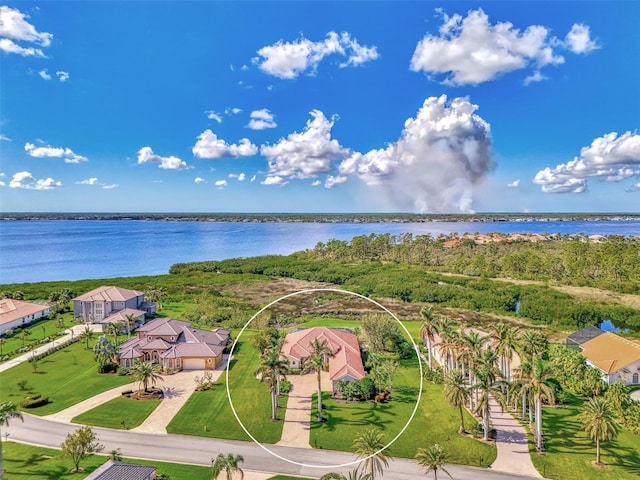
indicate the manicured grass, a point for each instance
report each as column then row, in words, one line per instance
column 569, row 450
column 35, row 333
column 435, row 422
column 122, row 413
column 66, row 377
column 26, row 462
column 209, row 414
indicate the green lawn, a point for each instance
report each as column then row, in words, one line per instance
column 121, row 413
column 209, row 414
column 66, row 377
column 35, row 332
column 435, row 422
column 26, row 462
column 569, row 450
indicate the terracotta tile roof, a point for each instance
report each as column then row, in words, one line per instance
column 11, row 309
column 109, row 294
column 610, row 352
column 120, row 315
column 344, row 345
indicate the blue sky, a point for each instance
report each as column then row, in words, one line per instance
column 320, row 106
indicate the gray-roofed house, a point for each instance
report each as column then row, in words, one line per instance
column 112, row 470
column 100, row 304
column 581, row 336
column 175, row 345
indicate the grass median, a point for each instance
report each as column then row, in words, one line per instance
column 121, row 413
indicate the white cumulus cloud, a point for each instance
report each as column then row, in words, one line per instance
column 334, row 180
column 212, row 115
column 232, row 110
column 221, row 183
column 290, row 59
column 26, row 181
column 238, row 176
column 62, row 76
column 261, row 119
column 44, row 74
column 470, row 50
column 306, row 154
column 199, row 180
column 274, row 180
column 210, row 146
column 610, row 158
column 88, row 181
column 146, row 155
column 514, row 184
column 54, row 152
column 441, row 154
column 15, row 29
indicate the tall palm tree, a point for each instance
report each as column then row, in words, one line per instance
column 355, row 474
column 276, row 343
column 370, row 446
column 129, row 319
column 146, row 372
column 113, row 329
column 88, row 334
column 457, row 393
column 320, row 351
column 598, row 421
column 432, row 459
column 542, row 389
column 533, row 344
column 448, row 344
column 521, row 386
column 8, row 411
column 228, row 463
column 271, row 368
column 428, row 329
column 488, row 384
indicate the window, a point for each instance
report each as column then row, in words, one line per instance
column 634, row 378
column 209, row 360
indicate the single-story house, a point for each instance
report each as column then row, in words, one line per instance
column 96, row 305
column 617, row 358
column 112, row 470
column 175, row 344
column 346, row 364
column 583, row 335
column 16, row 313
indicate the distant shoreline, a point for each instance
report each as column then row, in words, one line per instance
column 326, row 217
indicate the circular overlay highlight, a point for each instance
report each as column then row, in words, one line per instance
column 314, row 290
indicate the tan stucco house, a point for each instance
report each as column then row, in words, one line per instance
column 617, row 358
column 98, row 305
column 16, row 313
column 346, row 364
column 175, row 345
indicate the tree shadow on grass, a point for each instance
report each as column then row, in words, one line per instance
column 404, row 394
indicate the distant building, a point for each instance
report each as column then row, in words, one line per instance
column 175, row 345
column 98, row 305
column 16, row 313
column 346, row 364
column 617, row 358
column 583, row 335
column 113, row 470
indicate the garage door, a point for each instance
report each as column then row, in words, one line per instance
column 193, row 363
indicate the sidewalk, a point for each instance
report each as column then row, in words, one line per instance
column 73, row 331
column 511, row 442
column 296, row 428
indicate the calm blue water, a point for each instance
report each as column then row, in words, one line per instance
column 43, row 250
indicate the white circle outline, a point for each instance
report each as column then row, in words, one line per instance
column 312, row 290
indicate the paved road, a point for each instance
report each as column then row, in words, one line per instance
column 199, row 451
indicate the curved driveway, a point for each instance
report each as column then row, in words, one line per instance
column 199, row 451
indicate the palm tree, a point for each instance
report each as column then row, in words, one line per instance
column 129, row 319
column 23, row 336
column 2, row 342
column 599, row 422
column 271, row 368
column 541, row 388
column 428, row 329
column 432, row 459
column 145, row 372
column 115, row 455
column 88, row 334
column 104, row 351
column 457, row 393
column 113, row 329
column 533, row 344
column 369, row 445
column 521, row 386
column 488, row 384
column 351, row 475
column 447, row 345
column 505, row 340
column 228, row 463
column 8, row 411
column 315, row 363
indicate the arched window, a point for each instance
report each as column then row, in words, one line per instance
column 634, row 378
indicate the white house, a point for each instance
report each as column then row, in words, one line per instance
column 16, row 313
column 617, row 358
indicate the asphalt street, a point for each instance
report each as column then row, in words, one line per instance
column 200, row 451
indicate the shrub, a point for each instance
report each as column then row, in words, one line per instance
column 123, row 371
column 108, row 368
column 285, row 386
column 34, row 401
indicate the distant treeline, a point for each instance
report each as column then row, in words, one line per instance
column 376, row 275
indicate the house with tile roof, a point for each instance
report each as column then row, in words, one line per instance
column 585, row 334
column 101, row 304
column 617, row 358
column 175, row 345
column 113, row 470
column 16, row 313
column 346, row 364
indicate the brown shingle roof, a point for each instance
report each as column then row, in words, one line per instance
column 11, row 309
column 109, row 294
column 610, row 352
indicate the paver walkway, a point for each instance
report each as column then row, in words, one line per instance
column 511, row 442
column 296, row 428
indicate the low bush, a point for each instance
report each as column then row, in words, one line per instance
column 34, row 401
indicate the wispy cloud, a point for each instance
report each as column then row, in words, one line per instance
column 54, row 152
